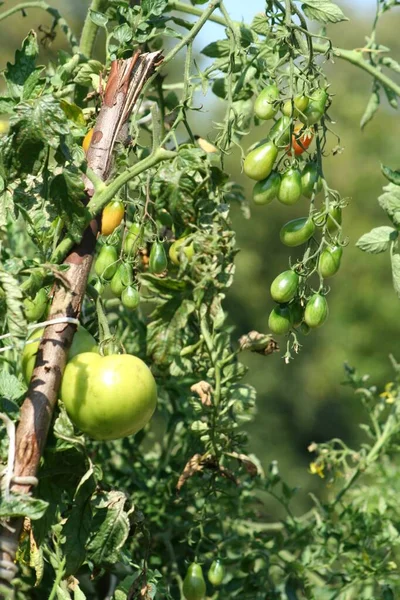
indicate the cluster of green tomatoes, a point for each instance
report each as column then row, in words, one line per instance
column 288, row 178
column 194, row 585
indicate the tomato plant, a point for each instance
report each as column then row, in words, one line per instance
column 158, row 258
column 316, row 311
column 107, row 262
column 280, row 320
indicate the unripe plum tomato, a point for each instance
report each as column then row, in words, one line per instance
column 284, row 286
column 299, row 104
column 266, row 190
column 134, row 239
column 301, row 140
column 107, row 262
column 194, row 585
column 280, row 319
column 297, row 312
column 280, row 132
column 158, row 259
column 329, row 261
column 297, row 232
column 180, row 246
column 290, row 189
column 130, row 298
column 112, row 216
column 316, row 311
column 82, row 341
column 216, row 573
column 265, row 106
column 310, row 180
column 35, row 309
column 334, row 219
column 87, row 139
column 259, row 162
column 315, row 108
column 108, row 397
column 121, row 279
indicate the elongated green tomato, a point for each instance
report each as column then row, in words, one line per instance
column 134, row 239
column 310, row 180
column 179, row 247
column 121, row 279
column 130, row 298
column 284, row 287
column 112, row 216
column 265, row 106
column 299, row 105
column 280, row 132
column 108, row 397
column 297, row 232
column 280, row 320
column 290, row 188
column 35, row 309
column 315, row 108
column 266, row 190
column 258, row 163
column 216, row 573
column 296, row 312
column 334, row 219
column 329, row 261
column 82, row 342
column 107, row 262
column 194, row 586
column 316, row 311
column 158, row 259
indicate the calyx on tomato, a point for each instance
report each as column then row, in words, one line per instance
column 108, row 397
column 290, row 189
column 194, row 586
column 297, row 232
column 284, row 286
column 259, row 162
column 266, row 190
column 266, row 106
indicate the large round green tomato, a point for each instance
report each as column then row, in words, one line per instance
column 316, row 311
column 259, row 162
column 82, row 342
column 310, row 180
column 266, row 106
column 315, row 108
column 216, row 572
column 280, row 132
column 108, row 397
column 329, row 261
column 194, row 586
column 266, row 190
column 290, row 188
column 297, row 232
column 284, row 287
column 280, row 320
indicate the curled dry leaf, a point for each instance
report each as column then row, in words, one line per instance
column 192, row 466
column 204, row 390
column 250, row 466
column 258, row 342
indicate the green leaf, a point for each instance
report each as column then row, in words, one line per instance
column 15, row 317
column 67, row 191
column 123, row 33
column 11, row 388
column 391, row 97
column 323, row 11
column 390, row 63
column 377, row 240
column 372, row 107
column 17, row 74
column 390, row 202
column 22, row 506
column 154, row 7
column 260, row 25
column 393, row 176
column 88, row 73
column 395, row 258
column 218, row 49
column 7, row 105
column 110, row 528
column 98, row 18
column 73, row 112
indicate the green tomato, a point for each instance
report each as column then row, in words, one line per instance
column 35, row 309
column 297, row 232
column 280, row 132
column 194, row 585
column 216, row 573
column 121, row 279
column 334, row 219
column 259, row 162
column 299, row 105
column 315, row 108
column 82, row 341
column 290, row 188
column 310, row 180
column 284, row 287
column 130, row 298
column 266, row 106
column 296, row 312
column 134, row 239
column 180, row 247
column 107, row 262
column 266, row 190
column 329, row 261
column 316, row 311
column 158, row 259
column 280, row 320
column 108, row 397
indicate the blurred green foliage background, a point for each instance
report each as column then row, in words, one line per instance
column 305, row 400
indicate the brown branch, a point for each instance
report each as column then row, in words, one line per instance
column 124, row 85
